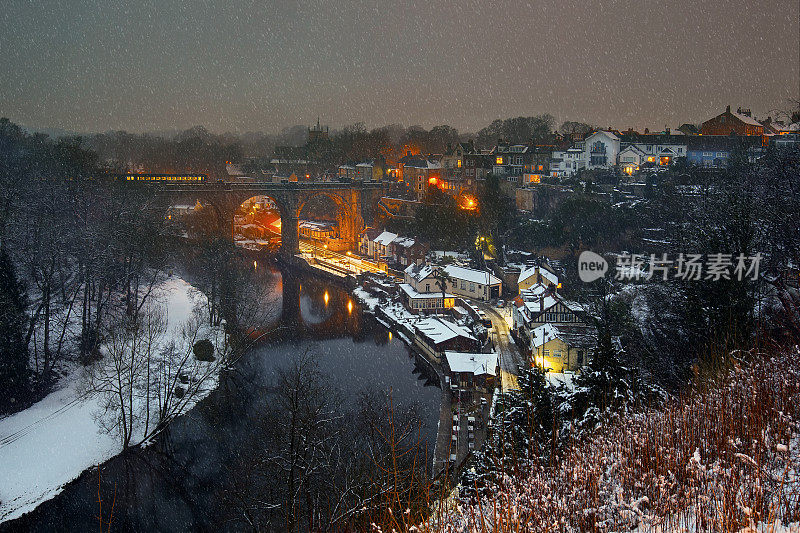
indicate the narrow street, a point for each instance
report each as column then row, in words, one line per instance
column 511, row 360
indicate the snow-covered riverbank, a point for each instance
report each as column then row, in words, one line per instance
column 51, row 443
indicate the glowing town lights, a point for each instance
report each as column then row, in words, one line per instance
column 432, row 180
column 326, row 297
column 349, row 306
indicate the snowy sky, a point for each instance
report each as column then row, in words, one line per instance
column 247, row 65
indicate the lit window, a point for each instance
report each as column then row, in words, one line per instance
column 499, row 160
column 459, row 163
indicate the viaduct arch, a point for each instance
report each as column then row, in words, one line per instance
column 356, row 204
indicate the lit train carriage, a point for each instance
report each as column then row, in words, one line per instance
column 166, row 178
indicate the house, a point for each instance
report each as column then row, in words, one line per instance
column 422, row 277
column 650, row 149
column 464, row 282
column 713, row 151
column 601, row 149
column 688, row 129
column 425, row 302
column 785, row 141
column 382, row 245
column 435, row 336
column 366, row 245
column 559, row 349
column 406, row 251
column 536, row 275
column 537, row 166
column 471, row 370
column 509, row 161
column 419, row 174
column 567, row 163
column 740, row 123
column 471, row 283
column 462, row 165
column 539, row 305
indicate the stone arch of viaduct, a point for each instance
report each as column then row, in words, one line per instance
column 355, row 203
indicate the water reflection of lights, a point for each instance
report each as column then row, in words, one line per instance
column 390, row 335
column 255, row 265
column 326, row 297
column 349, row 306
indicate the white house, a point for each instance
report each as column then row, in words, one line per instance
column 383, row 244
column 566, row 163
column 471, row 283
column 535, row 274
column 601, row 149
column 465, row 282
column 656, row 149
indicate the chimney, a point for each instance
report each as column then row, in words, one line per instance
column 666, row 129
column 647, row 131
column 728, row 109
column 541, row 304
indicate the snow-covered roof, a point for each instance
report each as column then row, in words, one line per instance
column 746, row 119
column 405, row 242
column 385, row 238
column 532, row 271
column 473, row 276
column 439, row 330
column 424, row 163
column 534, row 291
column 578, row 336
column 544, row 334
column 557, row 379
column 365, row 165
column 412, row 293
column 472, row 363
column 541, row 304
column 419, row 272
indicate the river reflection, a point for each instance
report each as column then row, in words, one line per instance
column 191, row 477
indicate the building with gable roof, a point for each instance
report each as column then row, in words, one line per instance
column 471, row 283
column 558, row 349
column 435, row 336
column 536, row 274
column 601, row 149
column 471, row 370
column 740, row 122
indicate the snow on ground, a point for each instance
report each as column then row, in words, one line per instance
column 51, row 443
column 556, row 379
column 366, row 298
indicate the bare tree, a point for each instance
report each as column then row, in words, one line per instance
column 121, row 376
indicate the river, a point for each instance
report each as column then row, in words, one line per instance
column 187, row 479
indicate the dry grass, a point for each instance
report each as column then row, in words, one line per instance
column 724, row 457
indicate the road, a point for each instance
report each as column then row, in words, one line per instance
column 511, row 359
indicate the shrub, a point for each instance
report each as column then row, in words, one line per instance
column 204, row 350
